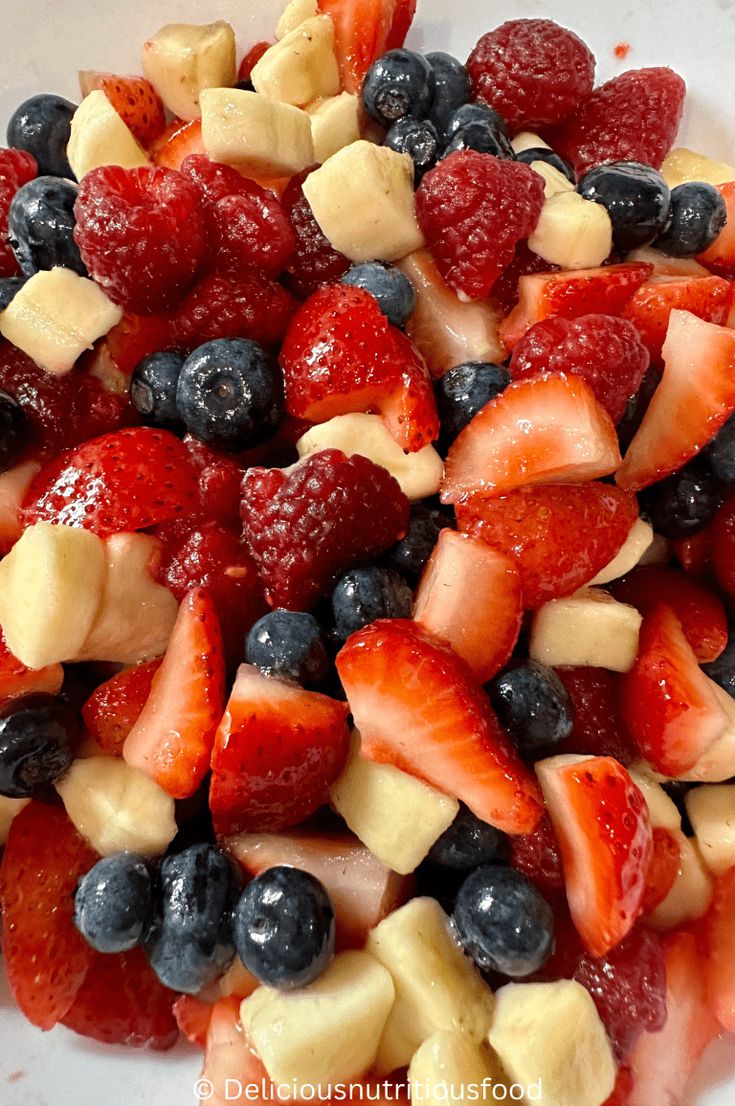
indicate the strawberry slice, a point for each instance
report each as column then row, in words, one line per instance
column 365, row 29
column 134, row 99
column 603, row 291
column 193, row 1017
column 417, row 707
column 680, row 419
column 178, row 141
column 720, row 256
column 46, row 959
column 136, row 337
column 545, row 430
column 664, row 870
column 599, row 729
column 719, row 968
column 463, row 574
column 16, row 680
column 115, row 706
column 277, row 751
column 695, row 554
column 560, row 535
column 229, row 1061
column 604, row 832
column 650, row 308
column 721, row 535
column 668, row 704
column 172, row 738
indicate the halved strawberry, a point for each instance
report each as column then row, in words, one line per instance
column 229, row 1061
column 178, row 141
column 548, row 429
column 417, row 707
column 650, row 308
column 115, row 706
column 365, row 29
column 603, row 291
column 173, row 737
column 193, row 1017
column 720, row 257
column 599, row 729
column 719, row 967
column 560, row 535
column 16, row 680
column 46, row 958
column 134, row 99
column 664, row 869
column 276, row 753
column 695, row 554
column 681, row 419
column 464, row 574
column 604, row 832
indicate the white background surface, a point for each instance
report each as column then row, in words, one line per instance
column 43, row 44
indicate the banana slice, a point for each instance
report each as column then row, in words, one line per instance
column 711, row 811
column 255, row 134
column 637, row 543
column 527, row 140
column 295, row 13
column 449, row 1067
column 683, row 165
column 554, row 180
column 183, row 59
column 662, row 809
column 691, row 894
column 100, row 137
column 589, row 628
column 335, row 123
column 302, row 66
column 8, row 810
column 572, row 232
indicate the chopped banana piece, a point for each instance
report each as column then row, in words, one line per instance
column 635, row 546
column 335, row 123
column 554, row 181
column 711, row 811
column 691, row 894
column 254, row 133
column 182, row 59
column 302, row 66
column 683, row 165
column 572, row 232
column 8, row 810
column 295, row 13
column 450, row 1060
column 527, row 140
column 589, row 628
column 100, row 137
column 662, row 809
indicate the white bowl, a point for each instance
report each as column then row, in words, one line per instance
column 45, row 43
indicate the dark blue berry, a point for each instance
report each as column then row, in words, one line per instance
column 410, row 554
column 191, row 945
column 394, row 292
column 684, row 503
column 113, row 903
column 9, row 286
column 37, row 735
column 468, row 843
column 636, row 408
column 153, row 388
column 363, row 595
column 503, row 923
column 397, row 85
column 482, row 138
column 720, row 453
column 463, row 391
column 475, row 113
column 722, row 671
column 284, row 928
column 543, row 153
column 289, row 644
column 635, row 196
column 417, row 138
column 533, row 706
column 230, row 394
column 42, row 126
column 698, row 214
column 452, row 88
column 41, row 226
column 13, row 431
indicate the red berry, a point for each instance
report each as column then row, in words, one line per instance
column 473, row 210
column 16, row 168
column 141, row 234
column 599, row 729
column 219, row 483
column 664, row 870
column 532, row 71
column 506, row 289
column 248, row 305
column 134, row 99
column 723, row 546
column 538, row 857
column 306, row 525
column 113, row 708
column 314, row 261
column 605, row 350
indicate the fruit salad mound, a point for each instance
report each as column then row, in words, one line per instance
column 367, row 530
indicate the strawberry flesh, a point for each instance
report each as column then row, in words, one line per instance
column 114, row 707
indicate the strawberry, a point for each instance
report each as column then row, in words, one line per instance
column 664, row 870
column 172, row 739
column 695, row 554
column 134, row 99
column 114, row 707
column 136, row 337
column 276, row 753
column 193, row 1017
column 463, row 574
column 599, row 729
column 603, row 291
column 560, row 535
column 622, row 1090
column 720, row 256
column 179, row 141
column 721, row 534
column 649, row 309
column 719, row 965
column 417, row 707
column 680, row 419
column 602, row 824
column 229, row 1061
column 365, row 29
column 341, row 354
column 46, row 959
column 549, row 429
column 16, row 680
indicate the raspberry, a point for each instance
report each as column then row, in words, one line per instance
column 532, row 71
column 314, row 261
column 598, row 727
column 249, row 305
column 219, row 483
column 605, row 350
column 16, row 168
column 633, row 117
column 524, row 263
column 537, row 856
column 473, row 210
column 141, row 235
column 306, row 525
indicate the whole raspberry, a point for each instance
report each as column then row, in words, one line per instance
column 473, row 210
column 605, row 350
column 537, row 856
column 525, row 263
column 306, row 525
column 249, row 305
column 599, row 729
column 16, row 168
column 532, row 71
column 141, row 234
column 633, row 117
column 314, row 261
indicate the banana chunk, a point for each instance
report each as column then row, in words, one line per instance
column 8, row 810
column 295, row 13
column 335, row 123
column 589, row 628
column 302, row 66
column 572, row 231
column 449, row 1067
column 100, row 137
column 711, row 811
column 182, row 59
column 638, row 542
column 254, row 133
column 691, row 894
column 683, row 165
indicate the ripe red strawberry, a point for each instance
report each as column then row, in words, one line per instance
column 251, row 59
column 650, row 308
column 193, row 1017
column 695, row 554
column 16, row 168
column 115, row 706
column 46, row 959
column 365, row 29
column 622, row 1090
column 633, row 117
column 549, row 429
column 179, row 141
column 136, row 337
column 602, row 824
column 16, row 680
column 127, row 480
column 664, row 870
column 560, row 535
column 172, row 739
column 473, row 210
column 276, row 753
column 599, row 729
column 532, row 71
column 229, row 1061
column 249, row 305
column 680, row 420
column 220, row 476
column 314, row 261
column 719, row 931
column 306, row 525
column 134, row 99
column 525, row 263
column 417, row 707
column 720, row 256
column 722, row 537
column 341, row 355
column 537, row 855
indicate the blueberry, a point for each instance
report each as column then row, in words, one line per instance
column 720, row 453
column 191, row 944
column 722, row 671
column 635, row 196
column 543, row 153
column 113, row 903
column 13, row 431
column 37, row 735
column 410, row 554
column 684, row 503
column 397, row 85
column 393, row 291
column 9, row 286
column 452, row 88
column 468, row 843
column 153, row 388
column 475, row 113
column 417, row 138
column 284, row 928
column 41, row 226
column 463, row 391
column 533, row 706
column 698, row 214
column 289, row 644
column 503, row 922
column 42, row 126
column 230, row 394
column 481, row 137
column 363, row 595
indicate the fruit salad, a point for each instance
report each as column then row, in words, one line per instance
column 367, row 538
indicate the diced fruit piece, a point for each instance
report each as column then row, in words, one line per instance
column 335, row 123
column 717, row 762
column 663, row 265
column 691, row 893
column 9, row 809
column 711, row 811
column 16, row 680
column 193, row 1017
column 293, row 15
column 133, row 98
column 590, row 628
column 181, row 60
column 99, row 136
column 572, row 231
column 178, row 141
column 13, row 486
column 548, row 429
column 662, row 809
column 446, row 734
column 365, row 30
column 682, row 165
column 228, row 1054
column 254, row 134
column 314, row 261
column 465, row 575
column 638, row 542
column 720, row 940
column 301, row 66
column 720, row 257
column 598, row 727
column 450, row 1059
column 113, row 708
column 649, row 310
column 664, row 870
column 604, row 831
